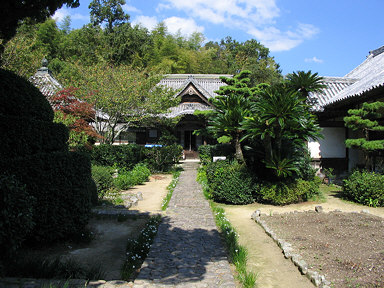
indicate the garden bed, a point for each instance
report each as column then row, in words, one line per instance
column 347, row 248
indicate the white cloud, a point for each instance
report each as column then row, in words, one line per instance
column 314, row 60
column 255, row 17
column 130, row 8
column 185, row 26
column 63, row 12
column 277, row 40
column 60, row 14
column 146, row 21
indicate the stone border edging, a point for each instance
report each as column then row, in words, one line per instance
column 317, row 279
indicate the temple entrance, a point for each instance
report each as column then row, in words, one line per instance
column 189, row 141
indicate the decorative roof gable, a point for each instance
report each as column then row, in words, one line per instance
column 202, row 85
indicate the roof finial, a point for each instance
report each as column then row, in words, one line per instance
column 44, row 67
column 44, row 63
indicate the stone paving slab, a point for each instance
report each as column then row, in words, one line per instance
column 187, row 251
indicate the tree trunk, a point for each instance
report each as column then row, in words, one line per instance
column 239, row 152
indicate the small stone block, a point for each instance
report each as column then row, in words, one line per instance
column 319, row 209
column 139, row 196
column 256, row 214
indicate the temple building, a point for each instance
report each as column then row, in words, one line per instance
column 365, row 83
column 195, row 90
column 362, row 84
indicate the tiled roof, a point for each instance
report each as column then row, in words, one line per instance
column 187, row 108
column 206, row 83
column 334, row 86
column 369, row 75
column 46, row 83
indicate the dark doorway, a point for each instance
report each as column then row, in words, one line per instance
column 189, row 140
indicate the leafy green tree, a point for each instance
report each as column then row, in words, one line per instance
column 109, row 12
column 231, row 56
column 48, row 38
column 282, row 121
column 366, row 120
column 231, row 107
column 122, row 96
column 129, row 45
column 21, row 54
column 12, row 12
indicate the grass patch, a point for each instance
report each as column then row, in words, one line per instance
column 138, row 249
column 237, row 253
column 170, row 188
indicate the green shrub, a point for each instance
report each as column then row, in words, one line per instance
column 127, row 179
column 60, row 182
column 16, row 214
column 163, row 158
column 102, row 175
column 281, row 193
column 364, row 187
column 124, row 180
column 207, row 152
column 140, row 173
column 121, row 155
column 229, row 183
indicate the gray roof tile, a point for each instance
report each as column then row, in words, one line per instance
column 370, row 75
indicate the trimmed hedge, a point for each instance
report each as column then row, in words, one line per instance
column 229, row 183
column 364, row 187
column 19, row 98
column 22, row 136
column 126, row 156
column 34, row 149
column 58, row 182
column 281, row 193
column 163, row 158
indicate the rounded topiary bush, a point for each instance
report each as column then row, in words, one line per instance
column 16, row 214
column 364, row 187
column 36, row 152
column 19, row 98
column 230, row 183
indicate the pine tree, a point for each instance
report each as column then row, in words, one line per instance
column 365, row 120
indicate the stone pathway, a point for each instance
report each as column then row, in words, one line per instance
column 187, row 251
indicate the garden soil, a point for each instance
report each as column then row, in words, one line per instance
column 266, row 259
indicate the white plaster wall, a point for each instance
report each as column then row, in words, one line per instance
column 314, row 149
column 331, row 146
column 333, row 143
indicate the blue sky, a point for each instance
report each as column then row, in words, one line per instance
column 330, row 37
